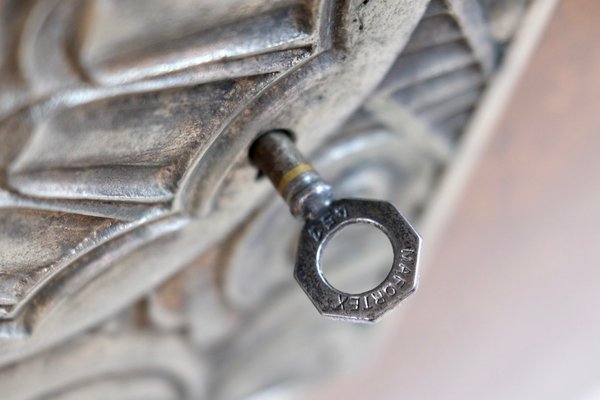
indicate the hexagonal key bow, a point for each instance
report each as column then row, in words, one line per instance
column 310, row 198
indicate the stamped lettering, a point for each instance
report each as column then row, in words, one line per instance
column 407, row 255
column 404, row 269
column 315, row 232
column 370, row 305
column 340, row 212
column 390, row 290
column 341, row 302
column 377, row 295
column 366, row 305
column 327, row 221
column 398, row 280
column 320, row 227
column 375, row 298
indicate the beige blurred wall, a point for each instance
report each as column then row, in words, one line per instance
column 509, row 307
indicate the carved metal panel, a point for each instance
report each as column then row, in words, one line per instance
column 124, row 129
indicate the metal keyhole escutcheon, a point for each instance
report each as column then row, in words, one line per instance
column 310, row 198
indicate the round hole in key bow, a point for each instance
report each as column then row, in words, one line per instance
column 357, row 258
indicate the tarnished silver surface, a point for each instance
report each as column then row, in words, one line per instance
column 125, row 185
column 276, row 156
column 136, row 174
column 368, row 306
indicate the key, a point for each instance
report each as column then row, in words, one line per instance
column 310, row 198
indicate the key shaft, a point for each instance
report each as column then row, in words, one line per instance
column 311, row 198
column 300, row 185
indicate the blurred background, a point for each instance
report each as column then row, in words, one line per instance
column 509, row 303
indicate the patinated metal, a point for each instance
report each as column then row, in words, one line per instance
column 309, row 197
column 128, row 206
column 371, row 305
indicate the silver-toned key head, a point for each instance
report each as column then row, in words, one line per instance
column 367, row 306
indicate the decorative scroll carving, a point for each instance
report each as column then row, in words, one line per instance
column 104, row 366
column 124, row 129
column 129, row 135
